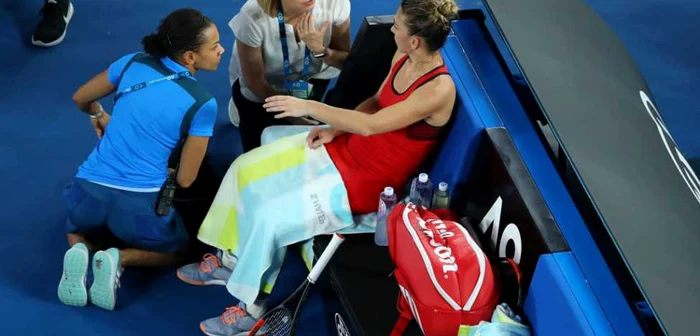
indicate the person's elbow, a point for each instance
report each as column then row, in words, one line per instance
column 78, row 99
column 82, row 99
column 185, row 180
column 368, row 130
column 258, row 84
column 365, row 125
column 193, row 153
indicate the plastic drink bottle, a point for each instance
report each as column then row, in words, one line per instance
column 387, row 201
column 441, row 197
column 421, row 190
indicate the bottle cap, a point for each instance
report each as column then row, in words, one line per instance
column 442, row 186
column 423, row 177
column 388, row 191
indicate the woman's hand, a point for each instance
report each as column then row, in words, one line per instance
column 288, row 106
column 306, row 29
column 320, row 136
column 100, row 124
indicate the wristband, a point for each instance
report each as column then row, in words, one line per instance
column 96, row 115
column 322, row 53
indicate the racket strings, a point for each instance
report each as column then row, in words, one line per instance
column 277, row 323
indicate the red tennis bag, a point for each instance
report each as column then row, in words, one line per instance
column 444, row 277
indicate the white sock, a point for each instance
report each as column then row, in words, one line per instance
column 228, row 260
column 257, row 309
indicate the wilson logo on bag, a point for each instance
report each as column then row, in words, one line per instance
column 444, row 277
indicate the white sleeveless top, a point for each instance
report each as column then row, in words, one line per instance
column 255, row 28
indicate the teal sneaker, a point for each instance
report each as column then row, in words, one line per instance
column 72, row 290
column 106, row 270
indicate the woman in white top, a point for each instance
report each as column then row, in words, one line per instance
column 315, row 30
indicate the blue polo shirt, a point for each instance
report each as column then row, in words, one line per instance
column 145, row 127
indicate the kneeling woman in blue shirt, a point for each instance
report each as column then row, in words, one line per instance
column 160, row 113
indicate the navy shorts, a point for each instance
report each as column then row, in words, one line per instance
column 128, row 215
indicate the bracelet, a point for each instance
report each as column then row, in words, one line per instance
column 96, row 115
column 322, row 53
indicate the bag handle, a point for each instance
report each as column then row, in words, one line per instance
column 436, row 234
column 430, row 223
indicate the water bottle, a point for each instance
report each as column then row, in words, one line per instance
column 421, row 190
column 387, row 201
column 441, row 197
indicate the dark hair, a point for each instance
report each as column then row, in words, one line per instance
column 430, row 19
column 181, row 31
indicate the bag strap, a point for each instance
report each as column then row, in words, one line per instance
column 405, row 317
column 511, row 278
column 509, row 273
column 190, row 85
column 405, row 313
column 138, row 56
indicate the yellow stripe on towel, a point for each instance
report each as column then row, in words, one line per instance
column 267, row 289
column 225, row 235
column 229, row 236
column 271, row 165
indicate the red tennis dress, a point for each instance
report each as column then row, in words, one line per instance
column 367, row 164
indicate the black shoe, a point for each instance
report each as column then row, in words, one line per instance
column 52, row 28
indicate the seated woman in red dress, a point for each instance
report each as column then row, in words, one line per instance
column 385, row 139
column 381, row 143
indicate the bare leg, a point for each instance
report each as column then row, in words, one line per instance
column 74, row 238
column 131, row 257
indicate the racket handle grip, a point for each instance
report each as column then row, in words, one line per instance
column 325, row 257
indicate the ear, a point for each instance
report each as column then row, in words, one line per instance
column 188, row 57
column 415, row 42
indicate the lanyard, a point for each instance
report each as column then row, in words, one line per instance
column 149, row 83
column 285, row 51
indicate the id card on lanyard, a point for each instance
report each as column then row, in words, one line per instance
column 298, row 88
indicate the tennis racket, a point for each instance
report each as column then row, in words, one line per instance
column 282, row 320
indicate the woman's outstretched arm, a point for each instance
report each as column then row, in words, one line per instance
column 421, row 104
